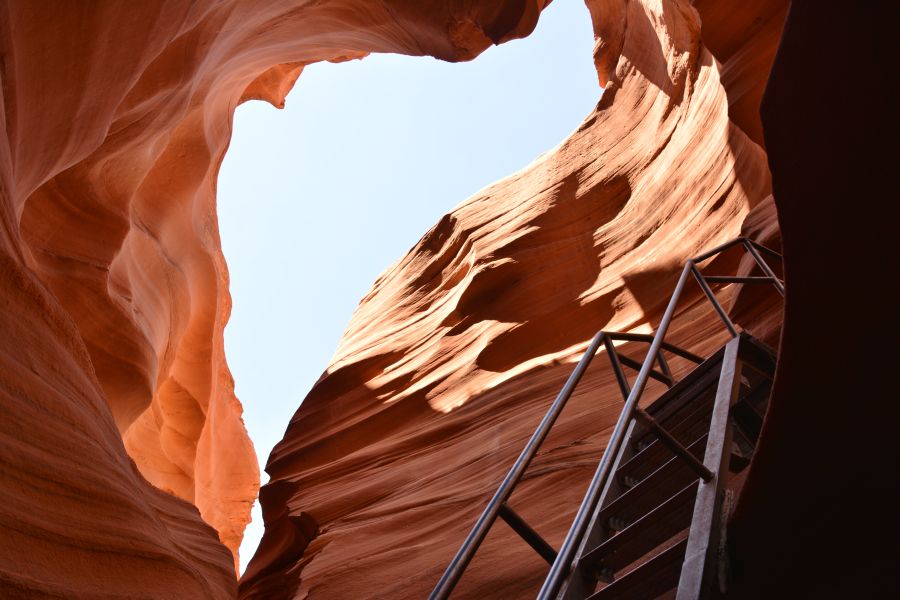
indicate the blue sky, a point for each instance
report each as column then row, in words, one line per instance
column 316, row 200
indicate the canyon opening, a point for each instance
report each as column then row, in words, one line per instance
column 316, row 200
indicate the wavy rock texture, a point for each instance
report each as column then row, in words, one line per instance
column 115, row 120
column 452, row 358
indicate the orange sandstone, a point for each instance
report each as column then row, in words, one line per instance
column 122, row 441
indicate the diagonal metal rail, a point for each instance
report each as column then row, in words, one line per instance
column 498, row 505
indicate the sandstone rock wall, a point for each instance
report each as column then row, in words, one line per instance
column 115, row 119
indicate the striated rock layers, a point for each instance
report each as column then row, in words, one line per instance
column 123, row 459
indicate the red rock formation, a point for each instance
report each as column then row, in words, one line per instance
column 114, row 122
column 452, row 358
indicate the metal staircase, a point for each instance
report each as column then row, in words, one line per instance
column 651, row 522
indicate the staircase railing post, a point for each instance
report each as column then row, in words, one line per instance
column 702, row 544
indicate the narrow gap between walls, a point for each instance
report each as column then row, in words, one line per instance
column 315, row 201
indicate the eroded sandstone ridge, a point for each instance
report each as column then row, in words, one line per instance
column 122, row 454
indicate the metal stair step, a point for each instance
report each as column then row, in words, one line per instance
column 655, row 453
column 747, row 418
column 683, row 395
column 673, row 444
column 656, row 576
column 652, row 491
column 645, row 534
column 693, row 422
column 686, row 420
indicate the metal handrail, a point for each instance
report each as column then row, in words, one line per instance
column 489, row 515
column 560, row 569
column 497, row 505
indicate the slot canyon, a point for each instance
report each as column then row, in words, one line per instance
column 125, row 467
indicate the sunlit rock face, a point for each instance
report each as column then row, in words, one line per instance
column 126, row 469
column 452, row 358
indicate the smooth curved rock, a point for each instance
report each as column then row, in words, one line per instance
column 114, row 123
